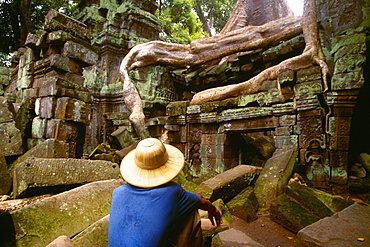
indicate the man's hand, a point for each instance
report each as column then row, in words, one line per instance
column 213, row 213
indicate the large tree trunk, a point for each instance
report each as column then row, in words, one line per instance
column 25, row 20
column 202, row 18
column 256, row 13
column 219, row 46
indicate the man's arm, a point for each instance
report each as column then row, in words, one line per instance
column 213, row 212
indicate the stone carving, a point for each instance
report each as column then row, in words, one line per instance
column 317, row 167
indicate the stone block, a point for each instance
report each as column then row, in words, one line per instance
column 72, row 109
column 45, row 107
column 244, row 205
column 265, row 145
column 61, row 130
column 346, row 43
column 244, row 113
column 177, row 108
column 11, row 139
column 7, row 111
column 270, row 97
column 229, row 183
column 349, row 227
column 62, row 241
column 338, row 158
column 287, row 76
column 58, row 37
column 290, row 214
column 310, row 74
column 79, row 52
column 38, row 130
column 234, row 238
column 286, row 131
column 95, row 235
column 33, row 142
column 305, row 89
column 284, row 141
column 59, row 87
column 48, row 172
column 349, row 63
column 283, row 109
column 66, row 213
column 245, row 100
column 339, row 142
column 193, row 109
column 365, row 161
column 209, row 106
column 287, row 120
column 5, row 177
column 339, row 126
column 193, row 118
column 181, row 120
column 358, row 48
column 57, row 21
column 208, row 151
column 210, row 117
column 349, row 80
column 307, row 198
column 50, row 148
column 250, row 124
column 275, row 176
column 27, row 96
column 60, row 63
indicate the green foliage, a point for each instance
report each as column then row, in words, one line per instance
column 219, row 11
column 179, row 21
column 10, row 16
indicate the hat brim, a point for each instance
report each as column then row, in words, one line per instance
column 151, row 178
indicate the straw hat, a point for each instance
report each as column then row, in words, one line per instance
column 151, row 163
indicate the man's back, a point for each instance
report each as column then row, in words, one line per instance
column 142, row 216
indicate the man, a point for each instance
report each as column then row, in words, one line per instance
column 151, row 210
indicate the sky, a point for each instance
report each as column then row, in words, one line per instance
column 296, row 6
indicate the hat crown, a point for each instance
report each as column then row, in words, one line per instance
column 150, row 154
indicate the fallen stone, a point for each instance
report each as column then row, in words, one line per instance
column 95, row 235
column 228, row 184
column 307, row 199
column 234, row 238
column 244, row 205
column 290, row 214
column 349, row 227
column 7, row 111
column 265, row 145
column 62, row 241
column 365, row 161
column 50, row 148
column 312, row 198
column 11, row 139
column 275, row 176
column 43, row 172
column 66, row 213
column 5, row 178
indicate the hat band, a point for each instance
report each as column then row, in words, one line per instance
column 150, row 165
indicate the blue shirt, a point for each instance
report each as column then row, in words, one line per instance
column 141, row 216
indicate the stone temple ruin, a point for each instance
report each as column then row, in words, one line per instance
column 64, row 85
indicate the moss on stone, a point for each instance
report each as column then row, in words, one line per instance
column 290, row 214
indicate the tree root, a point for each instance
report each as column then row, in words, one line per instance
column 222, row 45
